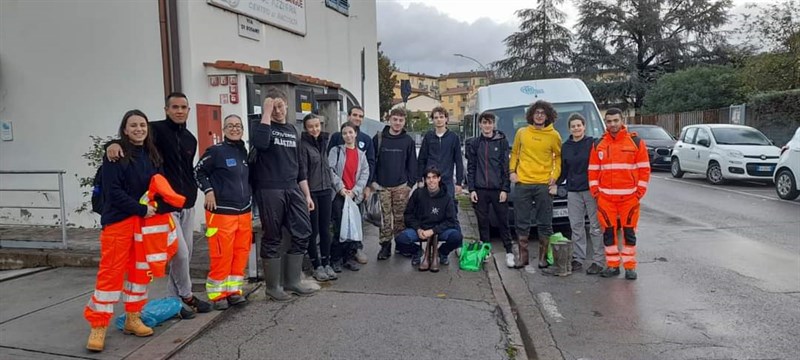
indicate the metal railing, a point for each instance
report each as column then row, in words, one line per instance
column 61, row 207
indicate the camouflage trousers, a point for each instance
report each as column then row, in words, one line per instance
column 393, row 204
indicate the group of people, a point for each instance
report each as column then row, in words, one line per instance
column 605, row 180
column 301, row 182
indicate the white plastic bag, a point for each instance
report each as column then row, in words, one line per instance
column 351, row 222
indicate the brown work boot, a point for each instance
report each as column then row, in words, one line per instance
column 135, row 326
column 544, row 243
column 522, row 258
column 434, row 253
column 426, row 257
column 97, row 339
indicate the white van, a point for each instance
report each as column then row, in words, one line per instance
column 509, row 101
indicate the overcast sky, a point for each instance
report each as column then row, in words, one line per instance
column 422, row 35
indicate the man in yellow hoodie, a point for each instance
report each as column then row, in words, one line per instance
column 534, row 166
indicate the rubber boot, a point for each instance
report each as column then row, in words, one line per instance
column 135, row 326
column 426, row 257
column 522, row 259
column 434, row 253
column 293, row 273
column 97, row 339
column 544, row 243
column 272, row 278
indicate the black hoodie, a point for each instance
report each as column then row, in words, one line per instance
column 575, row 163
column 425, row 211
column 315, row 156
column 396, row 158
column 442, row 152
column 278, row 163
column 177, row 147
column 487, row 163
column 224, row 170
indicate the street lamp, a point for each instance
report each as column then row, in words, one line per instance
column 486, row 71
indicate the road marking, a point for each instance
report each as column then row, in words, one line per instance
column 731, row 191
column 549, row 306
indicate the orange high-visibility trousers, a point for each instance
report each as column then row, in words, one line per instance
column 624, row 210
column 117, row 258
column 229, row 238
column 159, row 239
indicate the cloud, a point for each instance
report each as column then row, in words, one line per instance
column 422, row 39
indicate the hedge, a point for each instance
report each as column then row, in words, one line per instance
column 777, row 114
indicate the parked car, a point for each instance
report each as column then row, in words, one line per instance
column 724, row 152
column 659, row 144
column 788, row 169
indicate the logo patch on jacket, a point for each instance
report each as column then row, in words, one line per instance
column 600, row 155
column 435, row 211
column 361, row 145
column 230, row 162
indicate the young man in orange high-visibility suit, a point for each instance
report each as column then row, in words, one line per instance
column 619, row 172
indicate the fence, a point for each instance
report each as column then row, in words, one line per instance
column 61, row 207
column 676, row 121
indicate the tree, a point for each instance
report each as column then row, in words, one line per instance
column 695, row 88
column 630, row 43
column 541, row 49
column 776, row 28
column 386, row 81
column 419, row 122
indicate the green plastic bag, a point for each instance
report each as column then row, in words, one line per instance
column 556, row 238
column 473, row 254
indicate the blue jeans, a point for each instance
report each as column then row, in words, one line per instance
column 450, row 239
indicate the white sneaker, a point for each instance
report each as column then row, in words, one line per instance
column 510, row 260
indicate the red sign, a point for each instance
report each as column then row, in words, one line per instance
column 232, row 79
column 223, row 98
column 234, row 89
column 223, row 80
column 234, row 98
column 213, row 80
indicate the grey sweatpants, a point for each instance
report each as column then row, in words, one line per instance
column 524, row 210
column 581, row 204
column 180, row 283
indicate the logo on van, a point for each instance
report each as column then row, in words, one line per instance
column 530, row 90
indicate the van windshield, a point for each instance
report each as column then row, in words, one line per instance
column 509, row 120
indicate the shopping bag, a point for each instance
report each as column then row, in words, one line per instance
column 351, row 222
column 472, row 255
column 557, row 238
column 372, row 209
column 155, row 312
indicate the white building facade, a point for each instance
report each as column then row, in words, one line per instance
column 70, row 69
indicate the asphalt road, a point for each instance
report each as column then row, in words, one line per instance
column 719, row 278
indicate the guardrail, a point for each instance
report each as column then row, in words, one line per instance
column 61, row 207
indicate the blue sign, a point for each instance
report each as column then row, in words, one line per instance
column 530, row 90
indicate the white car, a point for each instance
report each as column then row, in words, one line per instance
column 788, row 169
column 724, row 152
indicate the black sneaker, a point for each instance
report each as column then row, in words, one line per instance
column 631, row 274
column 386, row 251
column 352, row 265
column 186, row 312
column 594, row 269
column 337, row 266
column 416, row 259
column 235, row 300
column 197, row 305
column 610, row 272
column 577, row 265
column 444, row 260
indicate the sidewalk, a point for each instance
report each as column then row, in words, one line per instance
column 386, row 310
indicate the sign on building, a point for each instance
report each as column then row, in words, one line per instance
column 737, row 114
column 249, row 28
column 289, row 15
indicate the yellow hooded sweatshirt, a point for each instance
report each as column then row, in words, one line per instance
column 536, row 155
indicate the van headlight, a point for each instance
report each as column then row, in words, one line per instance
column 736, row 154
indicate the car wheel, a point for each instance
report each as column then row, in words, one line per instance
column 714, row 174
column 675, row 168
column 785, row 185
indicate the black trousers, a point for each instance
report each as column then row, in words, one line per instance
column 320, row 225
column 340, row 251
column 279, row 208
column 487, row 200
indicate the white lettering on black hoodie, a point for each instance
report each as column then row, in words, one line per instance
column 278, row 161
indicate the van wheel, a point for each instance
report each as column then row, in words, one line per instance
column 714, row 174
column 675, row 168
column 785, row 185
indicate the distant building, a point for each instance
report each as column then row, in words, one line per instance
column 420, row 84
column 419, row 102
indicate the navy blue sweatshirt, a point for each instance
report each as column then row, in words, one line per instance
column 442, row 152
column 223, row 169
column 278, row 161
column 177, row 147
column 575, row 163
column 396, row 161
column 123, row 183
column 487, row 163
column 425, row 211
column 364, row 143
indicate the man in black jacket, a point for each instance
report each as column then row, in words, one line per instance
column 394, row 176
column 430, row 212
column 488, row 180
column 441, row 148
column 177, row 147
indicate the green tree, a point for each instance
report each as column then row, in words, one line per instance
column 541, row 47
column 629, row 44
column 419, row 122
column 696, row 88
column 386, row 81
column 776, row 28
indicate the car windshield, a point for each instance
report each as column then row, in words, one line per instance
column 739, row 136
column 651, row 133
column 509, row 120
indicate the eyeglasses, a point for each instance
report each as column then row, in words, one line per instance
column 539, row 113
column 234, row 126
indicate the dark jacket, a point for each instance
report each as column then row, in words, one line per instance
column 177, row 147
column 487, row 163
column 396, row 159
column 124, row 182
column 278, row 162
column 442, row 152
column 426, row 212
column 224, row 170
column 315, row 157
column 364, row 143
column 575, row 163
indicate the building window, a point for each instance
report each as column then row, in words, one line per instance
column 450, row 99
column 483, row 81
column 341, row 6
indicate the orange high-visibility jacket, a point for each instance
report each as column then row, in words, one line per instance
column 618, row 166
column 158, row 235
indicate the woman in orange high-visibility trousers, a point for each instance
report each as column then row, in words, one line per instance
column 123, row 182
column 222, row 174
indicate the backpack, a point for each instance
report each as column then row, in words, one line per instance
column 97, row 191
